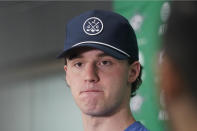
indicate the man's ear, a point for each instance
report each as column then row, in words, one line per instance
column 134, row 71
column 65, row 68
column 67, row 79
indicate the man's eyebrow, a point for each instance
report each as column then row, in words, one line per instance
column 102, row 54
column 74, row 56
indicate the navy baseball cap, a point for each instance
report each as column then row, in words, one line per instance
column 103, row 30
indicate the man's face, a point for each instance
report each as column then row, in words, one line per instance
column 100, row 84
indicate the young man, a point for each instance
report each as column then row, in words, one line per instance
column 102, row 70
column 178, row 68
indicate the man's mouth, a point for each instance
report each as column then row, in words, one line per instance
column 91, row 91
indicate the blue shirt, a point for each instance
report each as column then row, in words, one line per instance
column 136, row 126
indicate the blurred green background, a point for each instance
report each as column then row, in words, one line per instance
column 148, row 20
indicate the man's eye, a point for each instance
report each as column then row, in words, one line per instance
column 78, row 64
column 105, row 62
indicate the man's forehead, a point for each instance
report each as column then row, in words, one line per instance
column 81, row 52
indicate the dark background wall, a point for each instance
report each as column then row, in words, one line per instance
column 33, row 32
column 33, row 91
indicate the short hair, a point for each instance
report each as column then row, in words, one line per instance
column 136, row 84
column 180, row 42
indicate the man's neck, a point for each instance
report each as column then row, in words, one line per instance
column 116, row 122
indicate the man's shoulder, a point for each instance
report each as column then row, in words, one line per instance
column 136, row 126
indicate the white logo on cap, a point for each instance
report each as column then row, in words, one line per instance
column 93, row 26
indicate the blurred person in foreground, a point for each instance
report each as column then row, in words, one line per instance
column 179, row 67
column 102, row 70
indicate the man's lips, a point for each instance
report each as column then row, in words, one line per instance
column 91, row 91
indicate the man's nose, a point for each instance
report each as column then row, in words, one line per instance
column 91, row 73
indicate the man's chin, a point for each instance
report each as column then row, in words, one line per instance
column 91, row 112
column 96, row 113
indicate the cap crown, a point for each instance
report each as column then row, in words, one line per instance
column 104, row 28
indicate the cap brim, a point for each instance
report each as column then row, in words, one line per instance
column 112, row 52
